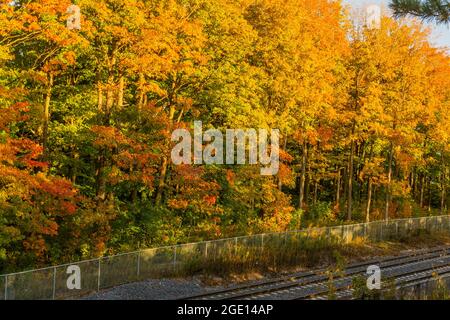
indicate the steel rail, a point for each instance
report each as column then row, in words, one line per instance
column 317, row 276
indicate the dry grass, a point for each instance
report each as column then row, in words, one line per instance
column 298, row 254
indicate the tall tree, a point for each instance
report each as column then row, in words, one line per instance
column 436, row 10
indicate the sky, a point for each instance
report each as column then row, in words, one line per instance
column 440, row 36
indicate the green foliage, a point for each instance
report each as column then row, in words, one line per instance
column 438, row 10
column 320, row 213
column 87, row 116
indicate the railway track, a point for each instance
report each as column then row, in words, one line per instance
column 405, row 268
column 406, row 280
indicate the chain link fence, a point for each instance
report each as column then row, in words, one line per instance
column 97, row 274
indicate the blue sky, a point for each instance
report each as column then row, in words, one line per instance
column 440, row 36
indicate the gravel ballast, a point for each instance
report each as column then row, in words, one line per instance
column 163, row 289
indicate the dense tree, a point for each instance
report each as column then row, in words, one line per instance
column 87, row 116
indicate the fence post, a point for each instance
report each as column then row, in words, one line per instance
column 99, row 274
column 174, row 257
column 54, row 282
column 382, row 229
column 138, row 265
column 235, row 246
column 262, row 242
column 6, row 287
column 396, row 229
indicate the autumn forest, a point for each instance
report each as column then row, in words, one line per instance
column 86, row 116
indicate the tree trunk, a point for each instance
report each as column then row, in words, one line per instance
column 100, row 178
column 338, row 187
column 443, row 178
column 307, row 184
column 109, row 101
column 301, row 194
column 422, row 189
column 99, row 95
column 110, row 89
column 74, row 172
column 280, row 182
column 164, row 164
column 141, row 92
column 47, row 100
column 121, row 92
column 344, row 184
column 388, row 188
column 134, row 191
column 429, row 194
column 350, row 181
column 369, row 199
column 100, row 181
column 162, row 180
column 374, row 194
column 363, row 155
column 316, row 188
column 443, row 194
